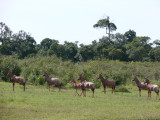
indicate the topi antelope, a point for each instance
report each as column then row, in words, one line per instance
column 77, row 85
column 151, row 87
column 86, row 85
column 16, row 79
column 140, row 85
column 109, row 83
column 52, row 81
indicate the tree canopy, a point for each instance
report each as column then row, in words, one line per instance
column 118, row 46
column 105, row 23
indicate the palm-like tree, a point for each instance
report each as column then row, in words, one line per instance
column 105, row 23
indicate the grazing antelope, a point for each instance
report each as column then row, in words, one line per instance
column 52, row 81
column 16, row 79
column 140, row 85
column 109, row 83
column 152, row 87
column 77, row 85
column 86, row 85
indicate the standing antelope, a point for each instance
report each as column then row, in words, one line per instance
column 86, row 85
column 109, row 83
column 140, row 85
column 152, row 87
column 77, row 85
column 52, row 81
column 16, row 79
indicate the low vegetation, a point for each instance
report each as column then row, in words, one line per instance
column 122, row 72
column 39, row 104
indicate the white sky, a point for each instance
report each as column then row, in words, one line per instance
column 73, row 20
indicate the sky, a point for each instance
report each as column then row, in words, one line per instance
column 73, row 20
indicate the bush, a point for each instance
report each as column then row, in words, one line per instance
column 40, row 80
column 119, row 78
column 33, row 68
column 97, row 83
column 122, row 89
column 7, row 64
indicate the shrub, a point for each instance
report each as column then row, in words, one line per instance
column 40, row 80
column 33, row 68
column 122, row 89
column 119, row 78
column 7, row 64
column 97, row 83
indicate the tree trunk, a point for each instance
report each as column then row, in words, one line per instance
column 109, row 34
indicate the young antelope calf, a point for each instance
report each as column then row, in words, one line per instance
column 140, row 85
column 77, row 85
column 52, row 81
column 86, row 85
column 152, row 87
column 16, row 79
column 109, row 83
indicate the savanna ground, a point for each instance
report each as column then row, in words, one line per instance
column 37, row 103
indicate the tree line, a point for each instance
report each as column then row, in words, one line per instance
column 123, row 47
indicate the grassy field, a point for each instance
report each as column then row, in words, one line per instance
column 37, row 103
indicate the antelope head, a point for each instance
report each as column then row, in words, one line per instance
column 10, row 73
column 100, row 76
column 146, row 81
column 45, row 74
column 135, row 78
column 80, row 77
column 72, row 80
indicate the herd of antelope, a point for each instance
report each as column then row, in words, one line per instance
column 83, row 84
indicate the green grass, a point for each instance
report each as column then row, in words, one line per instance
column 37, row 103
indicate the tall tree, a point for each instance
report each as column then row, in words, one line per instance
column 47, row 42
column 71, row 50
column 105, row 23
column 85, row 52
column 156, row 42
column 138, row 49
column 155, row 51
column 23, row 44
column 58, row 50
column 129, row 36
column 5, row 33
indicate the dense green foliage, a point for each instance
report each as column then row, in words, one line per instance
column 33, row 68
column 123, row 47
column 20, row 53
column 8, row 64
column 37, row 103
